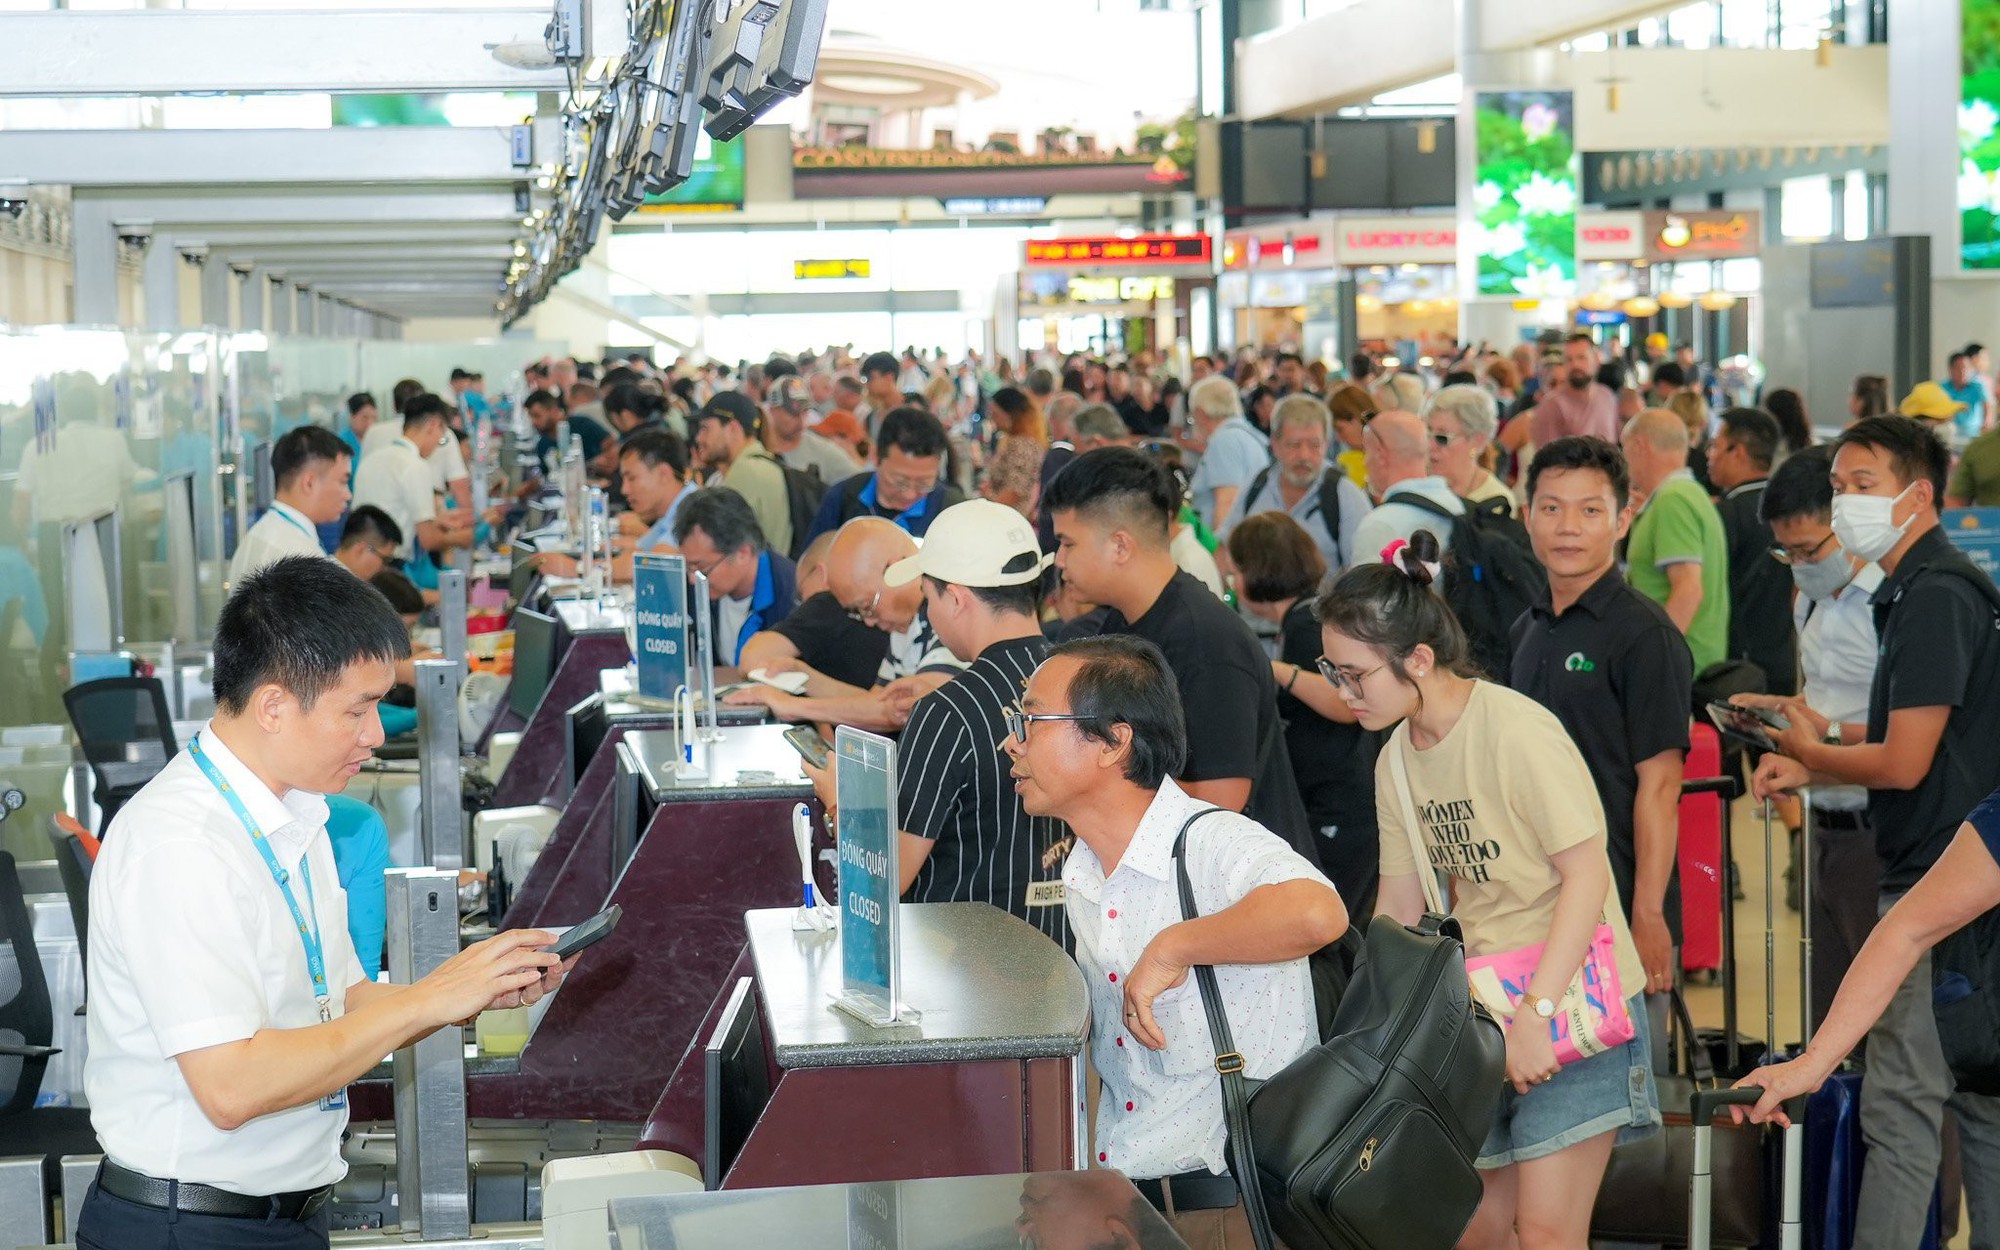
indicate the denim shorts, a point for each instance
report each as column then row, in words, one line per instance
column 1613, row 1090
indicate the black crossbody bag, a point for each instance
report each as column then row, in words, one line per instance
column 1366, row 1141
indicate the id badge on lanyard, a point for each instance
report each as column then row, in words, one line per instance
column 309, row 934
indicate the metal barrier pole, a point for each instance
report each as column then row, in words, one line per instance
column 433, row 1177
column 452, row 613
column 441, row 813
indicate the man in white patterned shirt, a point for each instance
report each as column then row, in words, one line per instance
column 1106, row 770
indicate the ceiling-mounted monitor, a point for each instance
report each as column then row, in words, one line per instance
column 762, row 52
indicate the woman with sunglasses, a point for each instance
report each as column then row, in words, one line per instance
column 1462, row 421
column 1504, row 805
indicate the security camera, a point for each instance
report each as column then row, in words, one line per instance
column 195, row 254
column 134, row 234
column 12, row 207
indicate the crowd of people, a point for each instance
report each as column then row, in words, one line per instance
column 1248, row 589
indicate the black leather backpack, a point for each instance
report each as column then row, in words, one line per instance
column 1367, row 1141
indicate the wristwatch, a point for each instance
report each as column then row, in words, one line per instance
column 1543, row 1007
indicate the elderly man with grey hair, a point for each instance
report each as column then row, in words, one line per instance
column 1233, row 451
column 1300, row 482
column 1397, row 450
column 1462, row 421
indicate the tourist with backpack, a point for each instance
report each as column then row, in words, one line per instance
column 1096, row 744
column 1300, row 482
column 906, row 486
column 1483, row 783
column 1490, row 576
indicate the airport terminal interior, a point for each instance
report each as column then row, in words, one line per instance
column 820, row 499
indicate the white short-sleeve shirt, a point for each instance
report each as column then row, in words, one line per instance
column 1160, row 1113
column 397, row 480
column 192, row 946
column 447, row 464
column 282, row 531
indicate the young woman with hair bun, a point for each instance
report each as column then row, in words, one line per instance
column 1503, row 805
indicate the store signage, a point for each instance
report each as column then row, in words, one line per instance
column 1015, row 206
column 1611, row 236
column 1306, row 247
column 1395, row 241
column 825, row 270
column 659, row 586
column 1119, row 290
column 865, row 837
column 1144, row 249
column 1702, row 235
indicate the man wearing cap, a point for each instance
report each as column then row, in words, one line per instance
column 965, row 835
column 725, row 441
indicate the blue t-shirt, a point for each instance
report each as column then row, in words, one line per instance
column 1986, row 820
column 1237, row 452
column 1972, row 421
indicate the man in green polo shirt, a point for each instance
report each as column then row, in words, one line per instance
column 1678, row 553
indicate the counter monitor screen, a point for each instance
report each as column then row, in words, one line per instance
column 534, row 661
column 589, row 723
column 521, row 577
column 738, row 1083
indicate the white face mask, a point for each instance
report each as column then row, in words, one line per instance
column 1865, row 524
column 1821, row 580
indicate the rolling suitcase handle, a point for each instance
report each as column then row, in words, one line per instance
column 1728, row 789
column 1701, row 1195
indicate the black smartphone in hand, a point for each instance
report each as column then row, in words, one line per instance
column 591, row 931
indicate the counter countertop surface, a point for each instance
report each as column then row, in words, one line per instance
column 748, row 761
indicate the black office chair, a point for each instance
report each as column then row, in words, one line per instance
column 737, row 1084
column 127, row 734
column 75, row 850
column 27, row 1027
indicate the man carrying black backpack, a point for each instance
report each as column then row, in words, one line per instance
column 1300, row 483
column 1490, row 577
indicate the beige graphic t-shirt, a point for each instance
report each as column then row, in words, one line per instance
column 1497, row 799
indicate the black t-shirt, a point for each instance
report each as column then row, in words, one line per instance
column 833, row 642
column 1939, row 649
column 1760, row 592
column 1334, row 765
column 1618, row 675
column 1230, row 701
column 954, row 788
column 549, row 452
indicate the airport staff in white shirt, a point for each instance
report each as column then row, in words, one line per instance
column 395, row 479
column 1105, row 768
column 228, row 1013
column 311, row 466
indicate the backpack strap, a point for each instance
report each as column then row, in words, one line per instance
column 1422, row 503
column 1228, row 1063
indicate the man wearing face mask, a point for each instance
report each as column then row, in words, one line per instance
column 1837, row 645
column 1925, row 755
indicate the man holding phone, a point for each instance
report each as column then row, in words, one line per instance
column 965, row 836
column 228, row 1013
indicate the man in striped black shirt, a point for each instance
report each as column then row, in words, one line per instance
column 965, row 835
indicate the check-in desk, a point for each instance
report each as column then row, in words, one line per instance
column 709, row 851
column 987, row 1080
column 588, row 641
column 1046, row 1209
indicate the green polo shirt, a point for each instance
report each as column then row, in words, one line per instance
column 1679, row 525
column 1977, row 477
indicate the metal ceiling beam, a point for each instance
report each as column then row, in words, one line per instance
column 187, row 211
column 173, row 52
column 303, row 254
column 365, row 155
column 444, row 234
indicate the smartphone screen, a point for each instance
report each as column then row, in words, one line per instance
column 593, row 930
column 807, row 742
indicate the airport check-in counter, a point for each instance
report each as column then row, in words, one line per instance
column 987, row 1079
column 1044, row 1209
column 706, row 852
column 585, row 642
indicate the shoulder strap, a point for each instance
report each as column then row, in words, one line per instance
column 1329, row 501
column 1228, row 1063
column 1426, row 875
column 1422, row 503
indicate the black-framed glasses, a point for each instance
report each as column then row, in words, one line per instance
column 1018, row 721
column 1786, row 556
column 1342, row 679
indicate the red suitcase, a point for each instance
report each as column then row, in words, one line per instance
column 1701, row 855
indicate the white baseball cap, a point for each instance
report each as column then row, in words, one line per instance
column 975, row 543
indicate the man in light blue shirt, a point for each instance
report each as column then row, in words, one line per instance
column 1964, row 386
column 1302, row 484
column 360, row 419
column 1397, row 448
column 1233, row 450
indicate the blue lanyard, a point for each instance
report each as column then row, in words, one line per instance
column 300, row 526
column 309, row 937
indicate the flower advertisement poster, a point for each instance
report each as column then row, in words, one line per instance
column 1979, row 135
column 1525, row 194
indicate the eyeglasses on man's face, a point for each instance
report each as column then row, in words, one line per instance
column 1796, row 555
column 1018, row 721
column 867, row 615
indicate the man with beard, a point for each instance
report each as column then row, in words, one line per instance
column 1583, row 405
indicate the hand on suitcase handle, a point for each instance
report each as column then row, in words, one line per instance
column 1770, row 1095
